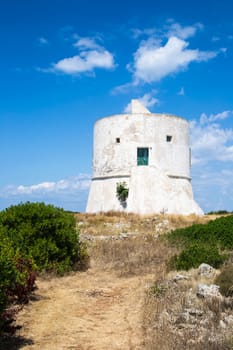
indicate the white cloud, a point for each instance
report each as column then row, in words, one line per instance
column 215, row 38
column 127, row 108
column 163, row 51
column 213, row 186
column 86, row 61
column 124, row 88
column 223, row 50
column 171, row 28
column 43, row 41
column 181, row 92
column 213, row 117
column 152, row 62
column 136, row 32
column 212, row 157
column 90, row 56
column 75, row 183
column 210, row 141
column 175, row 29
column 87, row 43
column 147, row 100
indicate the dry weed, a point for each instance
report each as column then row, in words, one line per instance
column 145, row 253
column 168, row 326
column 114, row 223
column 130, row 256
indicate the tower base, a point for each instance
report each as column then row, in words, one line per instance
column 151, row 191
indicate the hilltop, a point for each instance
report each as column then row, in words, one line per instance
column 126, row 299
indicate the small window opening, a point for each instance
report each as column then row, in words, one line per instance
column 142, row 156
column 118, row 140
column 169, row 138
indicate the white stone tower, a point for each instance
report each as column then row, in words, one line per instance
column 148, row 152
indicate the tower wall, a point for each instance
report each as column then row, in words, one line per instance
column 141, row 130
column 163, row 185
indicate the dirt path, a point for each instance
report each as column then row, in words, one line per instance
column 93, row 310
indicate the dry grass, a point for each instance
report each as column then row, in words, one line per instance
column 130, row 256
column 105, row 307
column 114, row 223
column 145, row 253
column 179, row 221
column 166, row 328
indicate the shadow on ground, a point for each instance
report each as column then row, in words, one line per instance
column 14, row 342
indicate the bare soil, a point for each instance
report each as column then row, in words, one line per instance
column 91, row 310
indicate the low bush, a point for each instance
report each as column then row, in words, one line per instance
column 219, row 231
column 219, row 212
column 17, row 279
column 202, row 243
column 225, row 281
column 45, row 234
column 34, row 237
column 196, row 254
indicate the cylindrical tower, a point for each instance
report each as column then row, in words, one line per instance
column 149, row 153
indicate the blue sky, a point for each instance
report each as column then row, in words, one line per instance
column 64, row 64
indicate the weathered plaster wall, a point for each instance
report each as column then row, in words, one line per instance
column 102, row 196
column 151, row 191
column 162, row 186
column 141, row 130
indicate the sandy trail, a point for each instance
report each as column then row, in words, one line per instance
column 92, row 310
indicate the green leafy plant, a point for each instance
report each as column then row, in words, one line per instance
column 122, row 191
column 203, row 243
column 218, row 212
column 196, row 254
column 45, row 234
column 159, row 289
column 17, row 280
column 34, row 237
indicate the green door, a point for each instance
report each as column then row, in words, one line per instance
column 142, row 156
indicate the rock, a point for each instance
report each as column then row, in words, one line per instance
column 183, row 317
column 102, row 237
column 180, row 277
column 86, row 237
column 222, row 324
column 189, row 316
column 203, row 290
column 123, row 235
column 194, row 312
column 228, row 320
column 205, row 270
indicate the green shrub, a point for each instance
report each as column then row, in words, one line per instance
column 219, row 231
column 196, row 254
column 225, row 281
column 122, row 191
column 218, row 212
column 45, row 234
column 17, row 279
column 8, row 272
column 202, row 243
column 34, row 236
